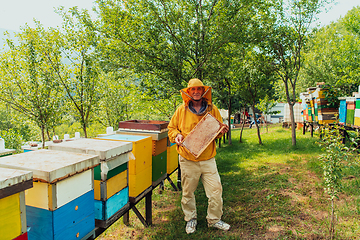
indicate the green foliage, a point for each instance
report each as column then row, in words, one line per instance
column 10, row 119
column 332, row 95
column 28, row 83
column 93, row 130
column 172, row 40
column 337, row 155
column 13, row 139
column 266, row 104
column 331, row 55
column 333, row 160
column 285, row 41
column 76, row 68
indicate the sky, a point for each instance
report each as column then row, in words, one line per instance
column 16, row 13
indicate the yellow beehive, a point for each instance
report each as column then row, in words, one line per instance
column 140, row 168
column 139, row 182
column 113, row 185
column 357, row 121
column 13, row 183
column 52, row 196
column 172, row 159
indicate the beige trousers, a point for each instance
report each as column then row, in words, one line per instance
column 190, row 174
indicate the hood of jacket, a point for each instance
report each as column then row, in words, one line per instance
column 185, row 94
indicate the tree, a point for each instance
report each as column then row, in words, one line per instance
column 255, row 76
column 265, row 105
column 78, row 73
column 286, row 41
column 336, row 157
column 222, row 66
column 118, row 98
column 171, row 40
column 28, row 83
column 331, row 55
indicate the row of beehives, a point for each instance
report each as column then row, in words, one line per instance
column 349, row 110
column 317, row 109
column 75, row 186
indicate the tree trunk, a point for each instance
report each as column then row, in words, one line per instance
column 291, row 107
column 242, row 127
column 229, row 112
column 293, row 127
column 229, row 123
column 84, row 128
column 332, row 220
column 256, row 124
column 43, row 136
column 48, row 134
column 54, row 133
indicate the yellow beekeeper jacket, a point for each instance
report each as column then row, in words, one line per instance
column 184, row 120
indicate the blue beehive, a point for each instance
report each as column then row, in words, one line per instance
column 342, row 111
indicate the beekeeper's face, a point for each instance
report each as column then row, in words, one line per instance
column 196, row 92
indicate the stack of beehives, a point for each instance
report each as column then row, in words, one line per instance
column 304, row 96
column 342, row 110
column 312, row 115
column 349, row 110
column 357, row 108
column 318, row 108
column 325, row 112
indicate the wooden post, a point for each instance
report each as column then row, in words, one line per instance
column 304, row 128
column 179, row 179
column 126, row 218
column 148, row 208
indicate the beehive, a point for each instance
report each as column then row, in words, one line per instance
column 342, row 110
column 13, row 184
column 110, row 177
column 318, row 108
column 6, row 152
column 312, row 117
column 61, row 203
column 350, row 110
column 157, row 130
column 326, row 112
column 139, row 169
column 357, row 112
column 304, row 96
column 159, row 152
column 309, row 115
column 172, row 158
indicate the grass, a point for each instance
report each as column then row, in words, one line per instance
column 270, row 191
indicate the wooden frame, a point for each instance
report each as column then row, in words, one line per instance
column 202, row 135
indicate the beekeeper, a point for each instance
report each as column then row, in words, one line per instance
column 197, row 102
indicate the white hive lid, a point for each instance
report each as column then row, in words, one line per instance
column 10, row 177
column 104, row 149
column 49, row 165
column 156, row 136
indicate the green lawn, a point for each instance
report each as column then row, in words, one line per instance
column 271, row 191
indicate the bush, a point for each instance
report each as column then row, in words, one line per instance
column 12, row 138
